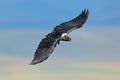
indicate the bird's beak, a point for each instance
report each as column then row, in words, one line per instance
column 70, row 40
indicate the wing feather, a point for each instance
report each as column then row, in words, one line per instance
column 73, row 24
column 45, row 48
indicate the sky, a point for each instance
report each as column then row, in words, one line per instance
column 49, row 13
column 93, row 54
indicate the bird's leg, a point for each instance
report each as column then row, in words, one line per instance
column 58, row 42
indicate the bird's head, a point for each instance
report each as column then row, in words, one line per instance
column 64, row 37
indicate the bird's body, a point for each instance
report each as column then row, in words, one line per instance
column 59, row 33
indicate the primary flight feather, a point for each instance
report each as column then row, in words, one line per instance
column 59, row 33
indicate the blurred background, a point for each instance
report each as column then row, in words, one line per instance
column 93, row 54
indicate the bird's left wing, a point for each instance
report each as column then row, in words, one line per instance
column 73, row 24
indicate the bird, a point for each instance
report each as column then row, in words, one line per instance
column 59, row 33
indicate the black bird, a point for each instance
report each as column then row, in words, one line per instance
column 59, row 33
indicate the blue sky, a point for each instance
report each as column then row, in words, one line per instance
column 22, row 17
column 93, row 54
column 49, row 13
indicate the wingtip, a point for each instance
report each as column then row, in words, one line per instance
column 33, row 62
column 86, row 11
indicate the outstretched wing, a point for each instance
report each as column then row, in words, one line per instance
column 48, row 43
column 73, row 24
column 45, row 48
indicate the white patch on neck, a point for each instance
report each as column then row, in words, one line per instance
column 64, row 34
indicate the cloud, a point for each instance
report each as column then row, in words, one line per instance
column 93, row 43
column 93, row 54
column 19, row 41
column 17, row 68
column 99, row 43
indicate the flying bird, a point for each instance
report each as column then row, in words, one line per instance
column 59, row 33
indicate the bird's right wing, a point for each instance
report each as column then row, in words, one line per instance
column 45, row 48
